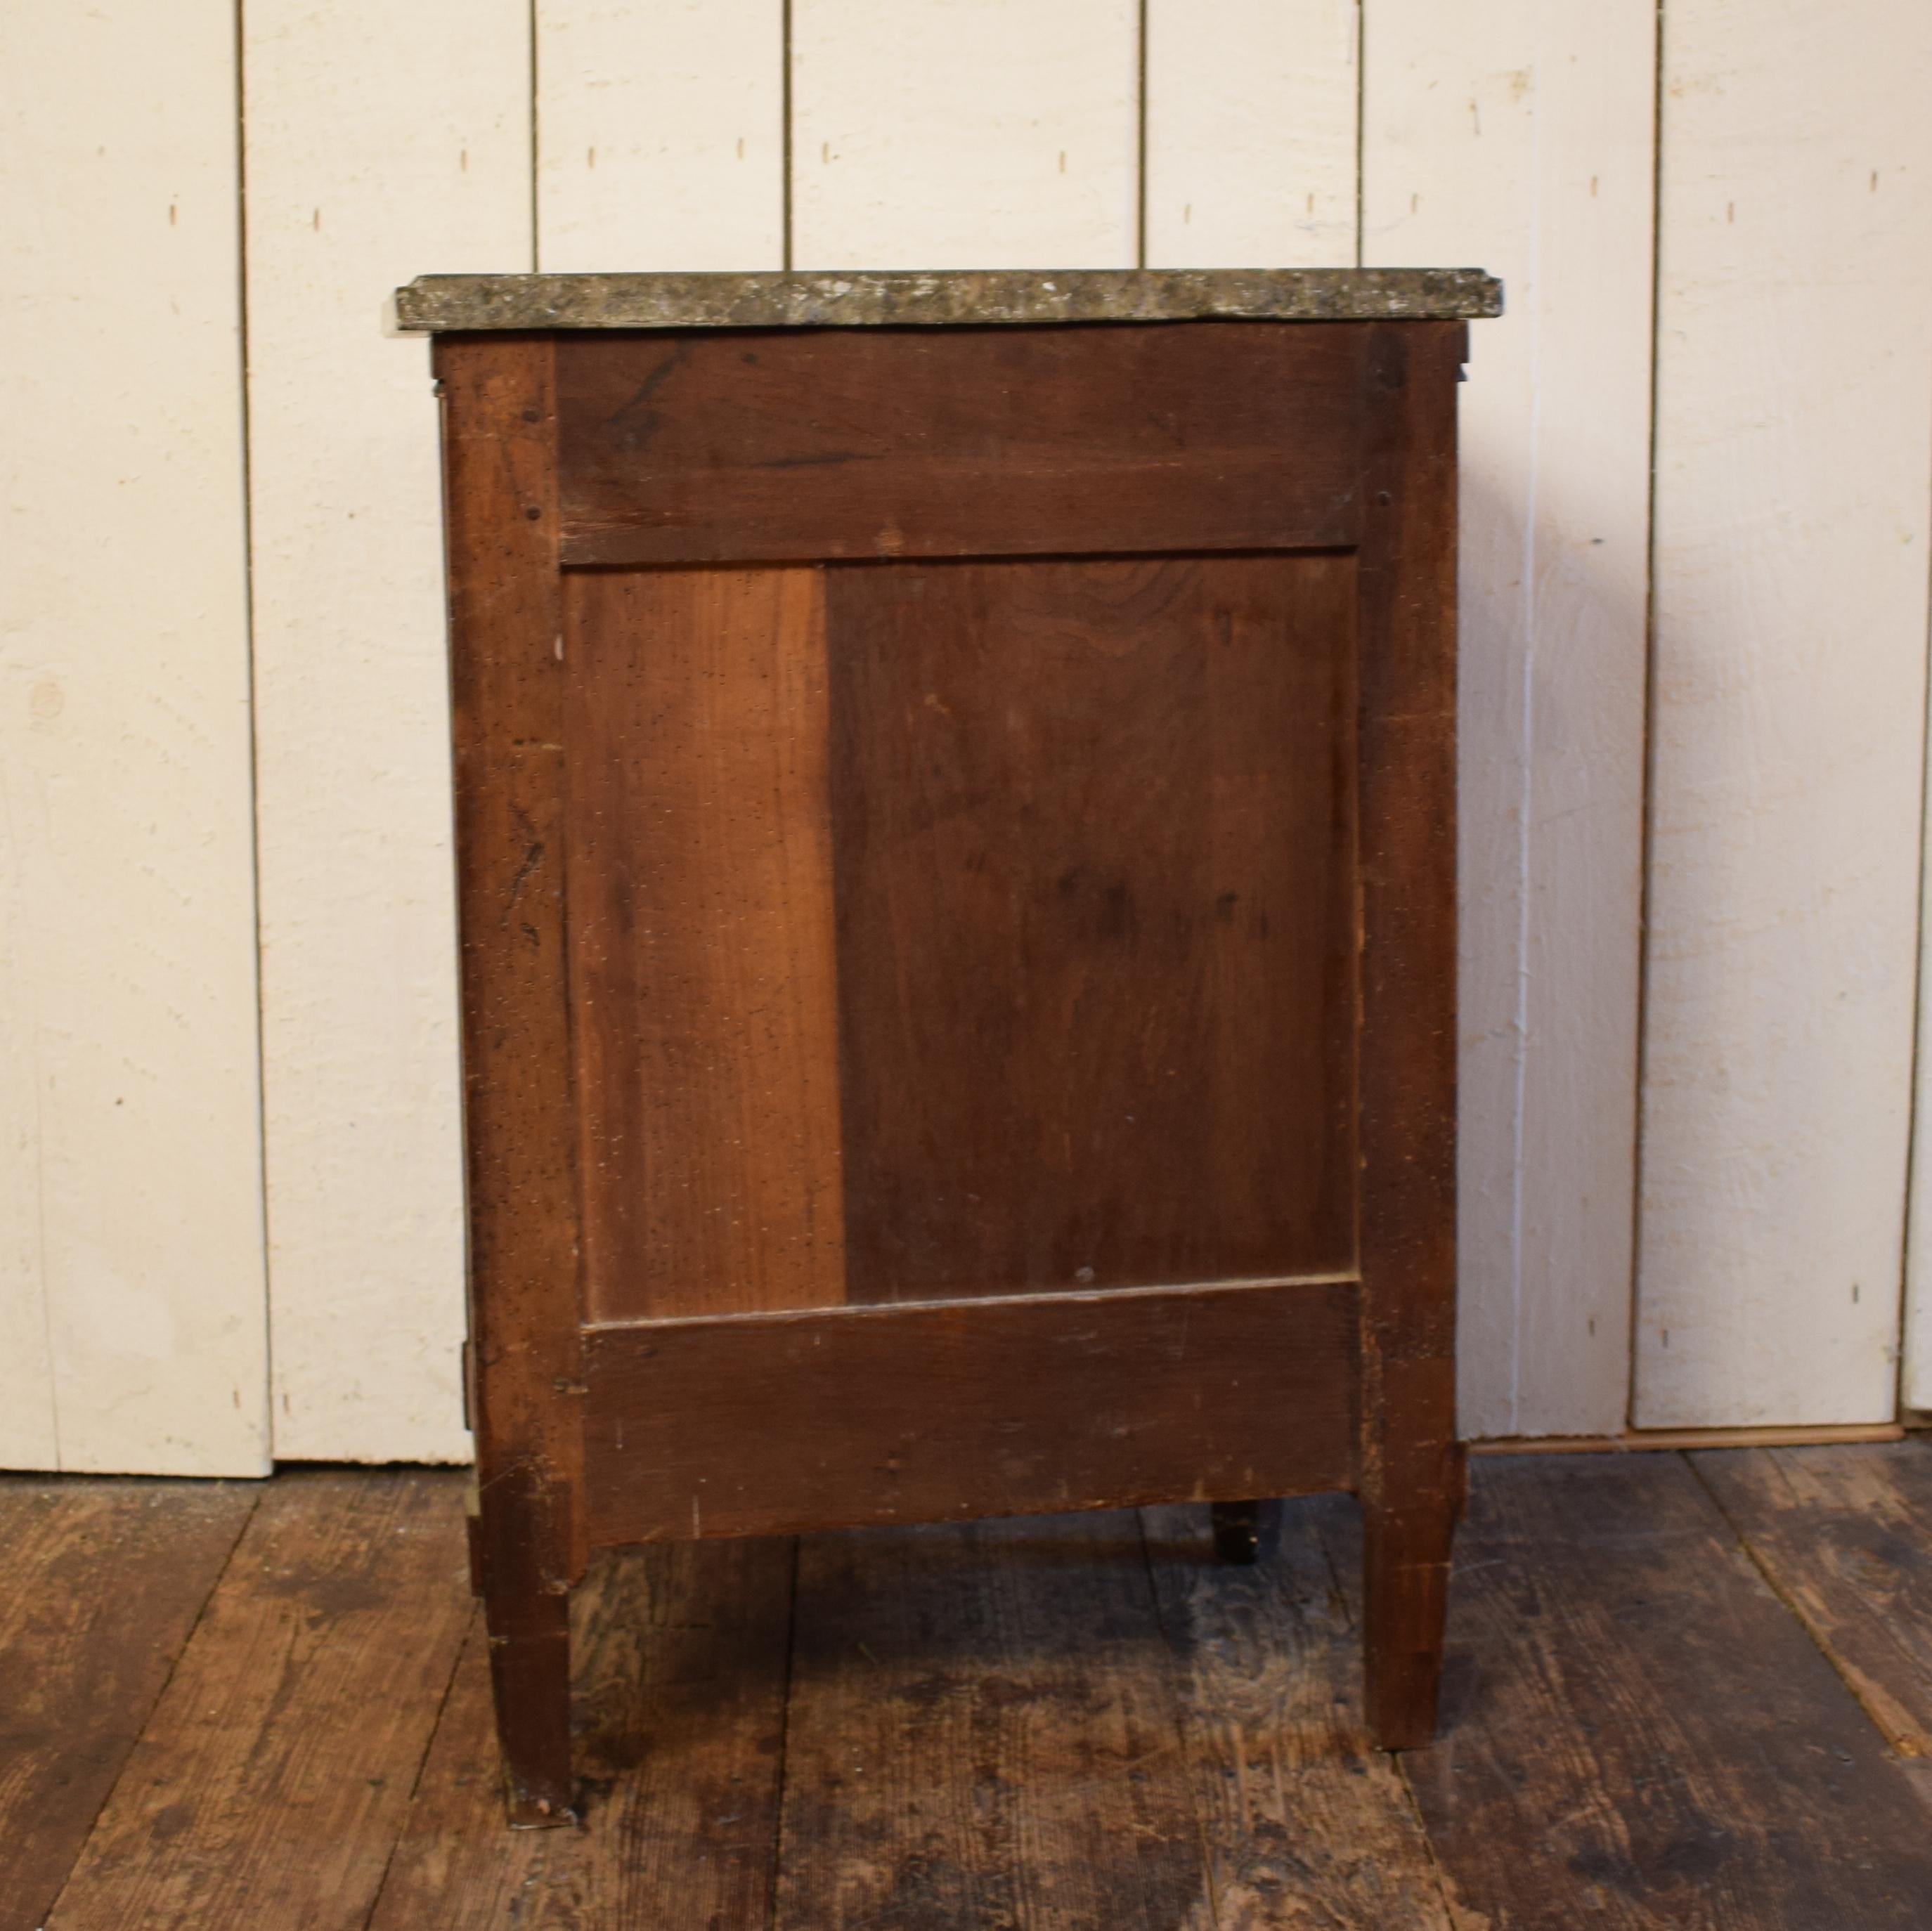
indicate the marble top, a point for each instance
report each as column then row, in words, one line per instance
column 447, row 304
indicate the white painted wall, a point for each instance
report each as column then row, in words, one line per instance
column 1786, row 725
column 133, row 1323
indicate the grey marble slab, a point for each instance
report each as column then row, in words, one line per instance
column 447, row 304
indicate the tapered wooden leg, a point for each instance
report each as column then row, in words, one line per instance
column 1236, row 1531
column 528, row 1624
column 1405, row 1553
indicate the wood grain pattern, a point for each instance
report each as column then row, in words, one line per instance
column 756, row 1425
column 975, row 1738
column 508, row 680
column 1844, row 1536
column 1641, row 1736
column 104, row 1580
column 271, row 1783
column 1307, row 1826
column 680, row 1689
column 705, row 1016
column 1092, row 830
column 1411, row 1465
column 773, row 446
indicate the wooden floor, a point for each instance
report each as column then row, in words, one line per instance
column 1684, row 1690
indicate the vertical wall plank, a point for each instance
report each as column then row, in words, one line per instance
column 1517, row 136
column 1794, row 447
column 1251, row 114
column 134, row 1282
column 383, row 141
column 965, row 133
column 660, row 134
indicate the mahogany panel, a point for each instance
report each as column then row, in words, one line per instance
column 701, row 941
column 749, row 446
column 767, row 1424
column 1092, row 832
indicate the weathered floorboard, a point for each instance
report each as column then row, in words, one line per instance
column 104, row 1580
column 1306, row 1825
column 977, row 1737
column 1845, row 1536
column 1637, row 1734
column 680, row 1686
column 269, row 1786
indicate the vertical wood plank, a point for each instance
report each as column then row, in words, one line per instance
column 1518, row 135
column 1251, row 124
column 705, row 1005
column 660, row 134
column 964, row 134
column 382, row 141
column 1794, row 448
column 133, row 1289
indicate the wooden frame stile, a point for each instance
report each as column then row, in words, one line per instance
column 1413, row 1471
column 527, row 1538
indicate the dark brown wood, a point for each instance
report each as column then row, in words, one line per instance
column 1641, row 1736
column 1844, row 1536
column 702, row 971
column 507, row 678
column 797, row 445
column 754, row 1424
column 1411, row 1465
column 976, row 1736
column 270, row 1782
column 104, row 1579
column 681, row 1655
column 1307, row 1827
column 1091, row 827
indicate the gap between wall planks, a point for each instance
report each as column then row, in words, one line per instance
column 133, row 1330
column 1520, row 134
column 379, row 142
column 1794, row 446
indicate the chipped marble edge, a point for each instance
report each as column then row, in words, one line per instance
column 460, row 304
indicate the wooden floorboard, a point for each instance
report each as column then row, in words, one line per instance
column 1844, row 1535
column 103, row 1580
column 680, row 1654
column 981, row 1734
column 270, row 1784
column 1306, row 1825
column 1050, row 1722
column 1640, row 1735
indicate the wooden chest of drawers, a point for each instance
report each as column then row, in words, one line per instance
column 955, row 808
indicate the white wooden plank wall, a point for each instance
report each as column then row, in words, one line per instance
column 134, row 1330
column 1518, row 135
column 1795, row 448
column 381, row 142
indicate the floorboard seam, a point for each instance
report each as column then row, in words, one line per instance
column 1791, row 1608
column 422, row 1765
column 1175, row 1698
column 1445, row 1889
column 785, row 1744
column 47, row 1916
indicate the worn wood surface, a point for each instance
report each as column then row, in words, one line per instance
column 507, row 673
column 1411, row 1470
column 1844, row 1536
column 681, row 1666
column 1093, row 831
column 705, row 1009
column 760, row 1425
column 271, row 1783
column 1306, row 1825
column 104, row 1580
column 794, row 445
column 1641, row 1735
column 974, row 1738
